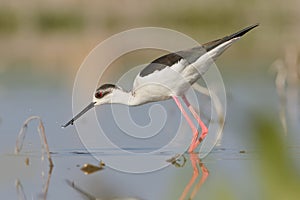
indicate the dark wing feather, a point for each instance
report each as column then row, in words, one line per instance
column 160, row 63
column 170, row 59
column 190, row 55
column 213, row 44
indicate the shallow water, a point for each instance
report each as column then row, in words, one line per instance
column 234, row 167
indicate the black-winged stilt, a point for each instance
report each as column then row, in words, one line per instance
column 169, row 76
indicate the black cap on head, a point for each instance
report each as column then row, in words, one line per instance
column 107, row 86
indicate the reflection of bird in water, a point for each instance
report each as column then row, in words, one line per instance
column 169, row 76
column 91, row 197
column 195, row 162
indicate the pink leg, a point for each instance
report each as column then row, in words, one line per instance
column 193, row 127
column 197, row 117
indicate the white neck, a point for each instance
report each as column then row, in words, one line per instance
column 123, row 97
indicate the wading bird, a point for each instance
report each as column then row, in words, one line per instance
column 169, row 76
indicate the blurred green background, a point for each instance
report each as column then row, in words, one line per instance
column 53, row 37
column 44, row 42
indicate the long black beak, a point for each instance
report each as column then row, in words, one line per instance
column 91, row 105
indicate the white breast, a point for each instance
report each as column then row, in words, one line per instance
column 163, row 84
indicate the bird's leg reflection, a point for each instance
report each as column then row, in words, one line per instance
column 195, row 161
column 205, row 174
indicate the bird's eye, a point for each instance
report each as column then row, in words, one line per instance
column 98, row 95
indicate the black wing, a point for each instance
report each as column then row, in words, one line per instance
column 190, row 55
column 160, row 63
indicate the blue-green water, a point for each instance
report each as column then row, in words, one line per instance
column 234, row 166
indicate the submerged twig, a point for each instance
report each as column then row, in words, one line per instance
column 21, row 193
column 81, row 191
column 41, row 130
column 20, row 190
column 91, row 197
column 176, row 161
column 45, row 147
column 46, row 186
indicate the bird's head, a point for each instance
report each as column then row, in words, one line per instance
column 104, row 94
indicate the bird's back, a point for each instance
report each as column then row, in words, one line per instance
column 178, row 70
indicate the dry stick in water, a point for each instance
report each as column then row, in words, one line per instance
column 21, row 193
column 20, row 190
column 46, row 186
column 45, row 147
column 81, row 191
column 280, row 82
column 41, row 130
column 287, row 84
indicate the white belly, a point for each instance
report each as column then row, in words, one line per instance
column 161, row 85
